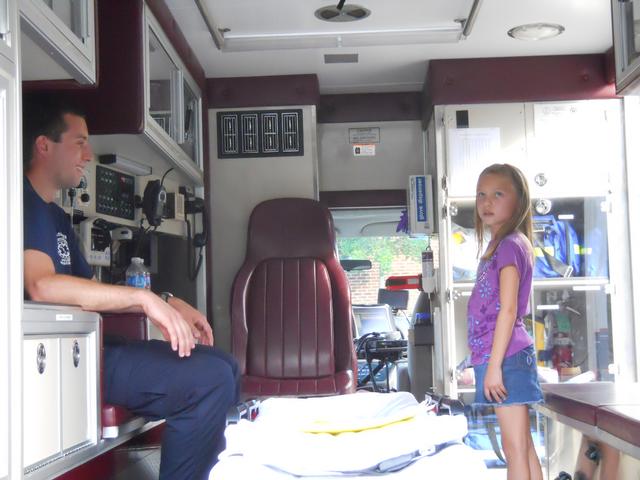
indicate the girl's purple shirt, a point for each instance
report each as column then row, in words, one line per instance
column 484, row 303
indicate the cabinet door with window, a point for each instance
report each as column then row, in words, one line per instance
column 626, row 41
column 571, row 303
column 8, row 29
column 573, row 300
column 173, row 102
column 63, row 30
column 7, row 90
column 11, row 293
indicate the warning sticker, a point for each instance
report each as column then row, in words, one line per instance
column 364, row 150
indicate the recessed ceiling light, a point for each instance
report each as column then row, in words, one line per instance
column 536, row 31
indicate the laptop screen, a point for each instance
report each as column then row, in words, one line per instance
column 372, row 318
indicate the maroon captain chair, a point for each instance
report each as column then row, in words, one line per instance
column 291, row 305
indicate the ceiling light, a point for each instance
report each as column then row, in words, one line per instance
column 443, row 34
column 125, row 164
column 536, row 31
column 227, row 40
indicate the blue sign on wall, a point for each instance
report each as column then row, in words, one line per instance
column 421, row 200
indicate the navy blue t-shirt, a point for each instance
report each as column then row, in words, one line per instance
column 47, row 229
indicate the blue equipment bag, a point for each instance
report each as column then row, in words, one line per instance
column 557, row 249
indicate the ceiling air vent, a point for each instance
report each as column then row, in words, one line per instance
column 344, row 13
column 341, row 58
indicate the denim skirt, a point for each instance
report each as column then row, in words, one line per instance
column 520, row 379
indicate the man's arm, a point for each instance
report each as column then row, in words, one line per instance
column 43, row 284
column 199, row 325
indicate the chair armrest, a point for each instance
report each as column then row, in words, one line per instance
column 128, row 326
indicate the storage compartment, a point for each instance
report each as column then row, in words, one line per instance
column 58, row 40
column 78, row 402
column 41, row 390
column 570, row 153
column 61, row 390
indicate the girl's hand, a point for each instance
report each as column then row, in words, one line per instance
column 493, row 387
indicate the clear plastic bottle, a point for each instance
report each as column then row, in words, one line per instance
column 138, row 275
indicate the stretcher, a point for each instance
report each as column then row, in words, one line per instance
column 362, row 435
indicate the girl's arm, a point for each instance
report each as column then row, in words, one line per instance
column 509, row 285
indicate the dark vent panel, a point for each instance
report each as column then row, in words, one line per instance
column 270, row 133
column 228, row 134
column 290, row 132
column 260, row 133
column 249, row 132
column 341, row 58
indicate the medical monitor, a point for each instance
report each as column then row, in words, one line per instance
column 372, row 318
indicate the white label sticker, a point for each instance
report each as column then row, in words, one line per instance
column 367, row 150
column 364, row 135
column 64, row 317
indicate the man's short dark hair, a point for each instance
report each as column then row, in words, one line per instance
column 43, row 115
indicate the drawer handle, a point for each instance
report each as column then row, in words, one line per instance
column 41, row 358
column 76, row 353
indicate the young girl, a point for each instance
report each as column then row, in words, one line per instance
column 501, row 350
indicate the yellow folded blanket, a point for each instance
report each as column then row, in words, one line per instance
column 358, row 424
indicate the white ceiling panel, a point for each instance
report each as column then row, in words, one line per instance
column 292, row 16
column 387, row 68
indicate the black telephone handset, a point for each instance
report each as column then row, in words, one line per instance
column 153, row 202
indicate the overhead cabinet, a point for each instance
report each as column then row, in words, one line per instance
column 58, row 40
column 626, row 43
column 144, row 89
column 7, row 32
column 173, row 101
column 562, row 148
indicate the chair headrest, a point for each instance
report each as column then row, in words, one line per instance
column 290, row 228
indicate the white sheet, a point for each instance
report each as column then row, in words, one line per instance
column 276, row 445
column 454, row 463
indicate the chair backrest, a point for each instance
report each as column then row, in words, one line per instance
column 291, row 305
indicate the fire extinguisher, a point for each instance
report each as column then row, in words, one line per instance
column 562, row 352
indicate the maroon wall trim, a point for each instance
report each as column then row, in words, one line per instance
column 363, row 198
column 609, row 66
column 238, row 92
column 518, row 79
column 177, row 39
column 369, row 107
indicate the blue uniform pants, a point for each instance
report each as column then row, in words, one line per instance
column 192, row 394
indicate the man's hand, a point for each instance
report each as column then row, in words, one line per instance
column 199, row 326
column 493, row 387
column 171, row 323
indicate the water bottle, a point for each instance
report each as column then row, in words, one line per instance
column 137, row 274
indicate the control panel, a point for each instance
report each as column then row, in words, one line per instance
column 115, row 193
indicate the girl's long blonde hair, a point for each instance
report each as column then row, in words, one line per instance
column 521, row 220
